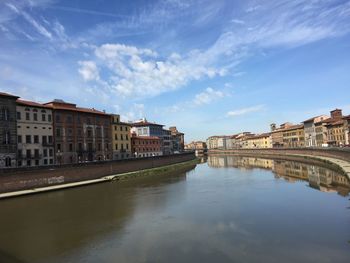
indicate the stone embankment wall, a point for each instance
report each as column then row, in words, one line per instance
column 34, row 177
column 337, row 153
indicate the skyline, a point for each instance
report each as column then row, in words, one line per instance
column 181, row 63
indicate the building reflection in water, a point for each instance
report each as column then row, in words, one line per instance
column 319, row 178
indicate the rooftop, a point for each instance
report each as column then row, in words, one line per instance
column 4, row 94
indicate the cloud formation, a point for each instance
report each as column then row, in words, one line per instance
column 139, row 72
column 245, row 111
column 208, row 96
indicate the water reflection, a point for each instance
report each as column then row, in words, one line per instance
column 319, row 178
column 42, row 227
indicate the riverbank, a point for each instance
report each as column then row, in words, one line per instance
column 18, row 179
column 337, row 160
column 167, row 169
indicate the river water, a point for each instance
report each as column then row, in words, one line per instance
column 227, row 209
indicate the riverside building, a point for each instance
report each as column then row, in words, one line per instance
column 121, row 138
column 8, row 130
column 34, row 134
column 81, row 134
column 145, row 146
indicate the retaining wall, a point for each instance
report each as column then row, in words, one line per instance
column 16, row 179
column 338, row 153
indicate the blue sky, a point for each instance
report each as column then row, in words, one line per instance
column 208, row 67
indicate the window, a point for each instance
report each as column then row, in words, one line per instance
column 80, row 146
column 51, row 161
column 44, row 140
column 36, row 139
column 58, row 132
column 18, row 115
column 58, row 118
column 28, row 153
column 49, row 117
column 89, row 133
column 5, row 114
column 35, row 116
column 36, row 162
column 19, row 163
column 28, row 139
column 116, row 146
column 51, row 152
column 43, row 117
column 19, row 139
column 7, row 161
column 121, row 136
column 45, row 152
column 50, row 139
column 99, row 147
column 45, row 161
column 58, row 147
column 27, row 116
column 29, row 163
column 70, row 147
column 36, row 153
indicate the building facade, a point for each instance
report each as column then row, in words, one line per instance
column 80, row 134
column 145, row 146
column 310, row 130
column 8, row 130
column 260, row 141
column 149, row 129
column 121, row 138
column 177, row 140
column 34, row 134
column 293, row 136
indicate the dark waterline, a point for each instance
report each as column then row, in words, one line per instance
column 230, row 209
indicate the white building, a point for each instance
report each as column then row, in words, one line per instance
column 34, row 134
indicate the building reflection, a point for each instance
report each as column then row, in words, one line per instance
column 319, row 178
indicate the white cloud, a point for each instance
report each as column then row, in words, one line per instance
column 88, row 70
column 142, row 73
column 207, row 96
column 245, row 110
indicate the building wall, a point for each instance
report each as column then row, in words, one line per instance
column 121, row 139
column 34, row 136
column 259, row 142
column 81, row 137
column 294, row 138
column 8, row 131
column 336, row 134
column 146, row 146
column 321, row 134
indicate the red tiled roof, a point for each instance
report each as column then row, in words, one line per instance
column 294, row 127
column 145, row 137
column 7, row 95
column 77, row 109
column 31, row 104
column 259, row 136
column 144, row 123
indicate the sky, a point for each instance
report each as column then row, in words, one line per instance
column 207, row 67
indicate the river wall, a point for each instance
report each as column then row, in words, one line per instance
column 17, row 179
column 337, row 153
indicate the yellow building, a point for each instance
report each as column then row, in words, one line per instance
column 259, row 141
column 121, row 138
column 294, row 136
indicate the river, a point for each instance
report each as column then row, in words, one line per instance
column 227, row 209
